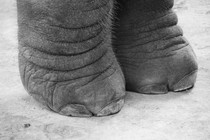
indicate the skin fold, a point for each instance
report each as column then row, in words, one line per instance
column 151, row 49
column 66, row 57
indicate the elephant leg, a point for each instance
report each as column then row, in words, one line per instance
column 154, row 55
column 66, row 59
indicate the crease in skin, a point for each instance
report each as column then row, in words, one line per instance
column 105, row 13
column 40, row 43
column 173, row 42
column 100, row 73
column 66, row 75
column 65, row 36
column 166, row 45
column 158, row 54
column 93, row 25
column 96, row 4
column 168, row 31
column 141, row 44
column 106, row 16
column 71, row 54
column 178, row 32
column 128, row 65
column 156, row 23
column 80, row 41
column 169, row 36
column 52, row 94
column 76, row 68
column 142, row 60
column 77, row 78
column 135, row 35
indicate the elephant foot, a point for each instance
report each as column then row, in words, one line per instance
column 160, row 71
column 95, row 90
column 151, row 49
column 66, row 58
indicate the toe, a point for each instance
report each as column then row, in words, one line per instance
column 154, row 89
column 185, row 83
column 75, row 110
column 112, row 108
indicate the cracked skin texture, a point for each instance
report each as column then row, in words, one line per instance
column 66, row 59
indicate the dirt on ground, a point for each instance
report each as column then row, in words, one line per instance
column 174, row 116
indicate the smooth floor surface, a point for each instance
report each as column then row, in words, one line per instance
column 174, row 116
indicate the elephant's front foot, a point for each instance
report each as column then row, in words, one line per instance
column 66, row 58
column 159, row 72
column 156, row 67
column 94, row 88
column 154, row 55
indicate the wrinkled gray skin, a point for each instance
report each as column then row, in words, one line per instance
column 154, row 55
column 66, row 59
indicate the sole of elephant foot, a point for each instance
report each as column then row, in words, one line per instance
column 186, row 83
column 77, row 110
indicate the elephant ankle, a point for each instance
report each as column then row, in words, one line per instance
column 145, row 15
column 140, row 6
column 150, row 34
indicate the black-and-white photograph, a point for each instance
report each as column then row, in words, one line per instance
column 104, row 69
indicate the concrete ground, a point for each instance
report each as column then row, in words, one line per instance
column 174, row 116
